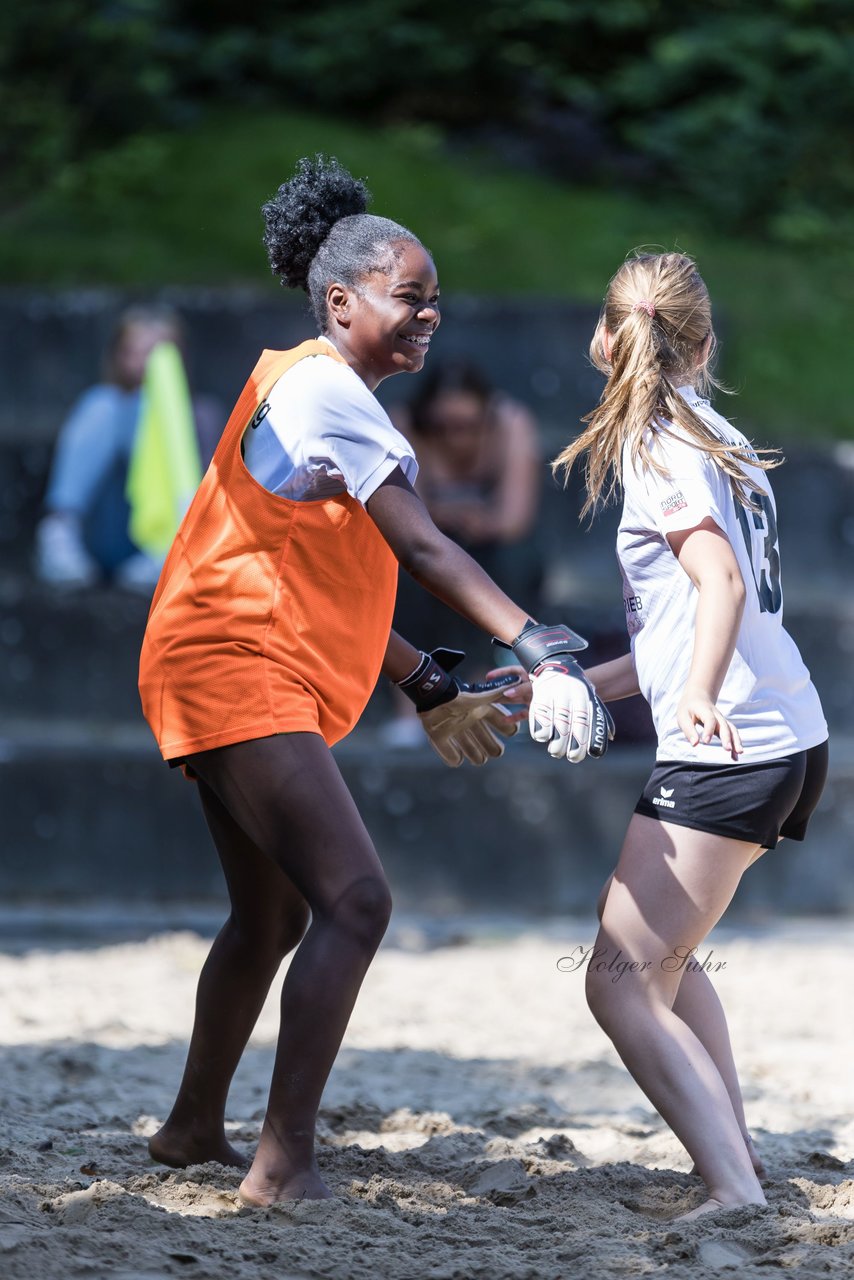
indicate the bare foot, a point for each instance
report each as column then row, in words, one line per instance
column 708, row 1206
column 713, row 1205
column 178, row 1149
column 261, row 1193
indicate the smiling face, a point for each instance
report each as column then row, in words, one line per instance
column 383, row 324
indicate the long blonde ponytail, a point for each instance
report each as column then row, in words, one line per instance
column 658, row 316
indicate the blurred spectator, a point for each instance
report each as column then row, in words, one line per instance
column 479, row 462
column 83, row 536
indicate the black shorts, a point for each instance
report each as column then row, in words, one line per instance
column 759, row 803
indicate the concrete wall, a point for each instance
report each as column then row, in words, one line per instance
column 97, row 815
column 88, row 809
column 51, row 347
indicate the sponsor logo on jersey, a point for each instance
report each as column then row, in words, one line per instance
column 664, row 801
column 674, row 502
column 633, row 604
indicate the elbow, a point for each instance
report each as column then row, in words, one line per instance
column 737, row 601
column 722, row 580
column 734, row 594
column 728, row 589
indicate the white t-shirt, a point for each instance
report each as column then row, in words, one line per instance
column 321, row 432
column 767, row 692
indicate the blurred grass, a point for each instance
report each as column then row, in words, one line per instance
column 183, row 208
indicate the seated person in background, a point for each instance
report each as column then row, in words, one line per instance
column 480, row 474
column 83, row 536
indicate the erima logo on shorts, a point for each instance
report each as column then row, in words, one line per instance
column 664, row 799
column 675, row 502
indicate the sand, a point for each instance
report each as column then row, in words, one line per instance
column 477, row 1123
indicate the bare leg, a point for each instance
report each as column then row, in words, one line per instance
column 698, row 1005
column 671, row 886
column 268, row 918
column 287, row 794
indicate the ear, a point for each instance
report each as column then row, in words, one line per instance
column 338, row 303
column 607, row 343
column 704, row 351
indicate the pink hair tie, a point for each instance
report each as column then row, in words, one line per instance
column 645, row 306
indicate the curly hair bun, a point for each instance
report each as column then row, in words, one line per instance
column 303, row 211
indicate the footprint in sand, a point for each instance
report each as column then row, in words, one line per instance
column 502, row 1182
column 75, row 1206
column 722, row 1253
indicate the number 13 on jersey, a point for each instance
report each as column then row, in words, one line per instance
column 759, row 528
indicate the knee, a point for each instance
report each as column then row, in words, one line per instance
column 598, row 984
column 272, row 933
column 364, row 909
column 288, row 927
column 605, row 999
column 596, row 996
column 603, row 896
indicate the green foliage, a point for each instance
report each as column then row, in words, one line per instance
column 76, row 77
column 745, row 110
column 752, row 114
column 183, row 207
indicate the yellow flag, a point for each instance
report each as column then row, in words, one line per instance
column 165, row 467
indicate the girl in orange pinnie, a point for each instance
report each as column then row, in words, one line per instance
column 268, row 630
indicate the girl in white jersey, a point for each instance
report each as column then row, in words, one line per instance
column 742, row 742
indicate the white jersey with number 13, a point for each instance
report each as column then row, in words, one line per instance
column 767, row 692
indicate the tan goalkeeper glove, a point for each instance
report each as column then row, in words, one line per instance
column 462, row 721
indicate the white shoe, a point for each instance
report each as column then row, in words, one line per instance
column 61, row 559
column 138, row 573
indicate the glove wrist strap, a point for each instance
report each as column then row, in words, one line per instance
column 538, row 643
column 416, row 672
column 429, row 685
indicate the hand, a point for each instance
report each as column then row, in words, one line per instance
column 566, row 713
column 472, row 725
column 462, row 721
column 700, row 721
column 517, row 693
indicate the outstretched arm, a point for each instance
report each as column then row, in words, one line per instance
column 439, row 564
column 566, row 713
column 611, row 680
